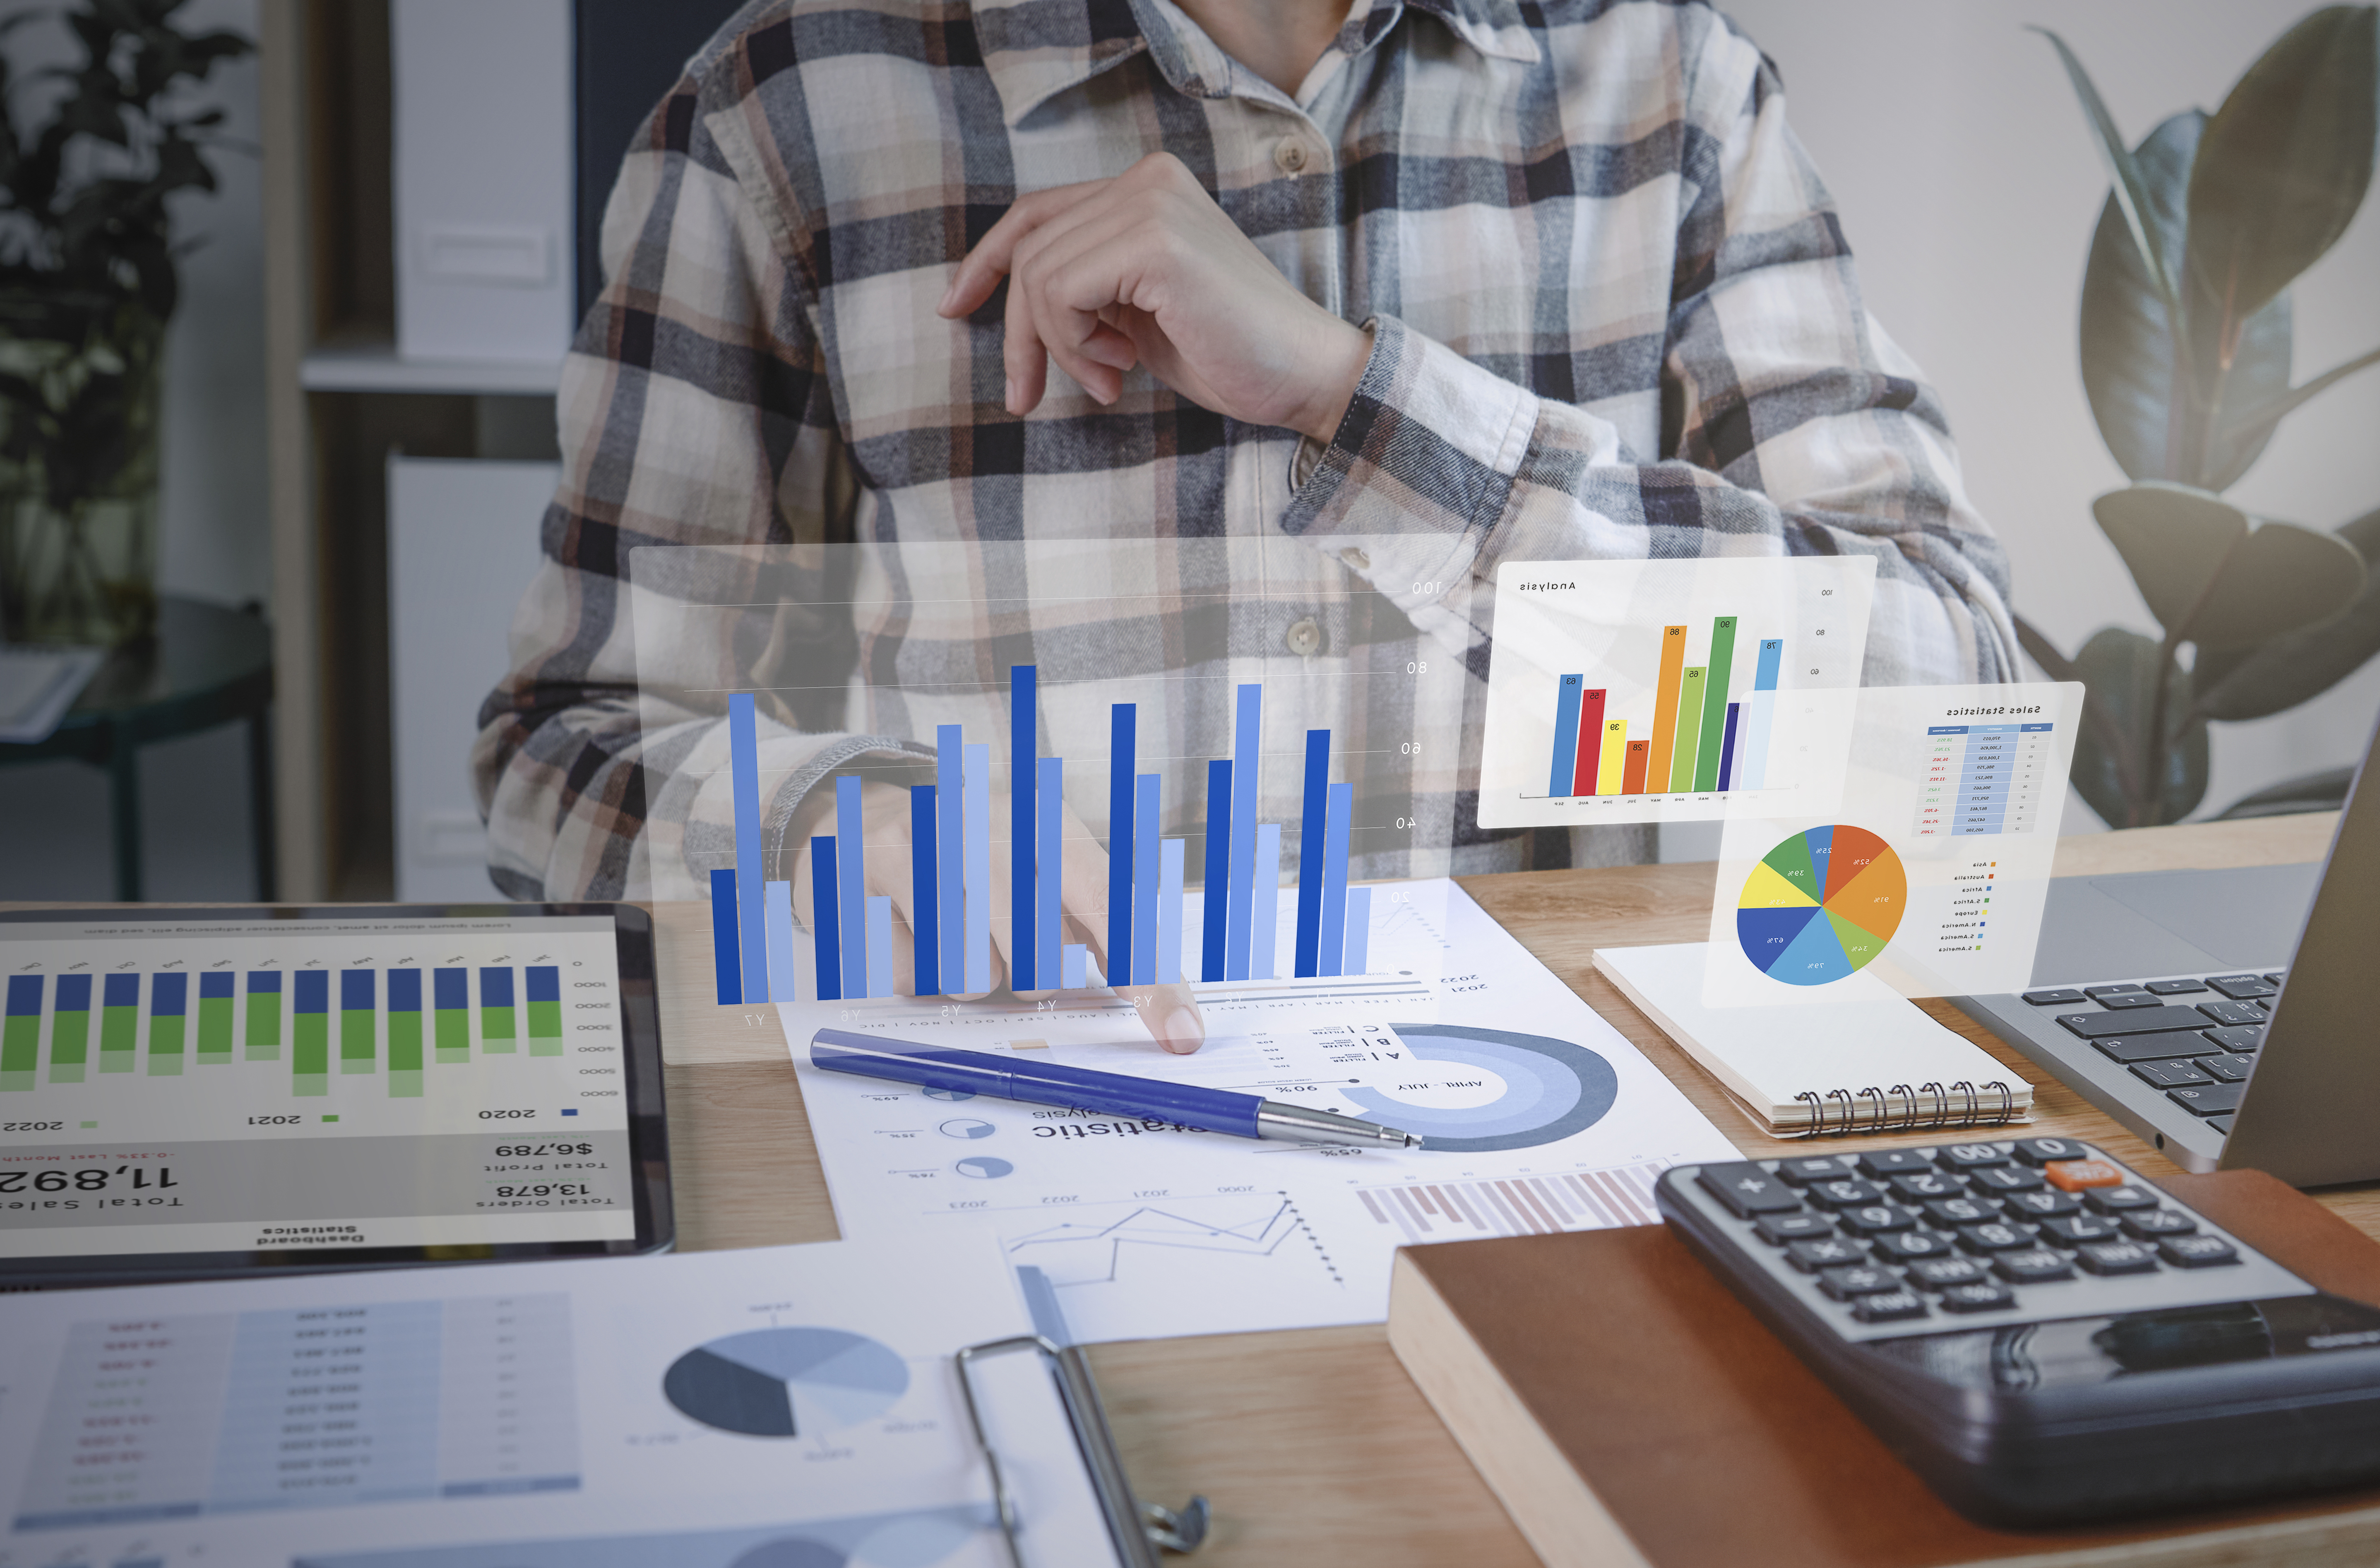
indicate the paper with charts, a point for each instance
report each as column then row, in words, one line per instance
column 1540, row 1117
column 1926, row 877
column 1663, row 691
column 784, row 1405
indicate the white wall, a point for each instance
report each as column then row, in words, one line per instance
column 1969, row 188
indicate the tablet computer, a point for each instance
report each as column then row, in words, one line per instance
column 215, row 1092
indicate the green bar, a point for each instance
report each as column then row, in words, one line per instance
column 357, row 1051
column 309, row 1054
column 545, row 1028
column 496, row 1025
column 214, row 1029
column 164, row 1045
column 119, row 1030
column 20, row 1052
column 1722, row 660
column 1690, row 729
column 404, row 1042
column 264, row 1025
column 69, row 1045
column 453, row 1025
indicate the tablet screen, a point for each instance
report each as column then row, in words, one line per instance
column 194, row 1085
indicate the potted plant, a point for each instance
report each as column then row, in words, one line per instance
column 2186, row 344
column 87, row 285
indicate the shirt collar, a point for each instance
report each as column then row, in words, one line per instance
column 1036, row 49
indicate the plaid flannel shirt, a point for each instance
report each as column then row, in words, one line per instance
column 1613, row 313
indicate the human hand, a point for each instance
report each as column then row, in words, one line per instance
column 1169, row 1012
column 1145, row 269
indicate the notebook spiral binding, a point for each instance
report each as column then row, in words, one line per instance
column 1870, row 1110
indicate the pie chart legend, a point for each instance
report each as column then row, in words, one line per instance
column 1821, row 905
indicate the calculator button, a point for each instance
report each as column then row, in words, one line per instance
column 2116, row 1258
column 1960, row 1211
column 1875, row 1218
column 1969, row 1157
column 2232, row 1012
column 2122, row 1200
column 2031, row 1268
column 2181, row 1072
column 1907, row 1247
column 1778, row 1229
column 1890, row 1308
column 2058, row 997
column 2006, row 1181
column 2245, row 1036
column 1882, row 1163
column 1860, row 1279
column 2213, row 1100
column 2041, row 1205
column 1816, row 1168
column 1941, row 1273
column 2156, row 1048
column 1844, row 1195
column 1994, row 1237
column 2074, row 1175
column 2041, row 1151
column 1925, row 1185
column 1826, row 1252
column 2242, row 988
column 1746, row 1189
column 1983, row 1297
column 2131, row 999
column 2176, row 988
column 2073, row 1230
column 2230, row 1069
column 2150, row 1224
column 2101, row 994
column 2196, row 1252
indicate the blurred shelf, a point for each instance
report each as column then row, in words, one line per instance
column 375, row 366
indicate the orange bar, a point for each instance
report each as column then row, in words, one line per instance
column 1665, row 702
column 1632, row 781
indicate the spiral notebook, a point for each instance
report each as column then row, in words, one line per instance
column 1874, row 1062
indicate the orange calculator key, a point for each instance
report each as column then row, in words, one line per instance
column 2073, row 1175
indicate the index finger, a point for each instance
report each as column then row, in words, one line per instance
column 981, row 269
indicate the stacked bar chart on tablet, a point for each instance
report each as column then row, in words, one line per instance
column 1623, row 691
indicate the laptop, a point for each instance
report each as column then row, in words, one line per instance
column 2178, row 1002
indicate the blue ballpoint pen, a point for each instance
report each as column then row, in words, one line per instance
column 1077, row 1089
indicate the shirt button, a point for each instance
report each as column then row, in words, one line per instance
column 1355, row 557
column 1289, row 156
column 1303, row 638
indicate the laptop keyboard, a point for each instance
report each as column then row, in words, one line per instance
column 2195, row 1038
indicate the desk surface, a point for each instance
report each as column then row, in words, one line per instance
column 1314, row 1446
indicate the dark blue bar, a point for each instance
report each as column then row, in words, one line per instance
column 743, row 777
column 496, row 987
column 169, row 996
column 1566, row 736
column 260, row 983
column 74, row 992
column 215, row 987
column 356, row 989
column 1214, row 957
column 449, row 988
column 1121, row 747
column 313, row 990
column 1024, row 735
column 724, row 941
column 949, row 806
column 1726, row 746
column 1310, row 850
column 405, row 990
column 544, row 983
column 925, row 891
column 825, row 926
column 122, row 991
column 24, row 996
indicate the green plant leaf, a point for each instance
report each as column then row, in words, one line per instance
column 2129, row 195
column 2120, row 668
column 2255, row 422
column 2281, row 168
column 2303, row 662
column 2213, row 577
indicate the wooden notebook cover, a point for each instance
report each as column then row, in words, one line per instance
column 1711, row 1443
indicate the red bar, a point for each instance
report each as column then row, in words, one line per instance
column 1590, row 742
column 1632, row 777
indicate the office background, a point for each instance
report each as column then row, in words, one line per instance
column 1969, row 188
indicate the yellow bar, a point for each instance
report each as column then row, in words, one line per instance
column 1615, row 756
column 1665, row 709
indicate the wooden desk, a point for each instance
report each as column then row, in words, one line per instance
column 1314, row 1446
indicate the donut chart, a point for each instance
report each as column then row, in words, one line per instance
column 1551, row 1089
column 1821, row 905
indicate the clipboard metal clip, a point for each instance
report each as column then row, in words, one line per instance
column 1138, row 1528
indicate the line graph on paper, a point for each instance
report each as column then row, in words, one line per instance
column 1192, row 1243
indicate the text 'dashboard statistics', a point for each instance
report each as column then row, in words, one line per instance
column 1635, row 691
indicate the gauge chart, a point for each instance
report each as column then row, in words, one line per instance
column 781, row 1382
column 1821, row 905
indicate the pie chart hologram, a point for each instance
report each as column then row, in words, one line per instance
column 776, row 1383
column 1821, row 905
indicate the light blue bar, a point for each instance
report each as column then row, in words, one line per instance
column 780, row 902
column 851, row 883
column 1752, row 757
column 950, row 806
column 1266, row 930
column 1334, row 881
column 1144, row 877
column 1050, row 801
column 1074, row 966
column 977, row 772
column 743, row 783
column 1566, row 737
column 1359, row 931
column 880, row 945
column 1247, row 745
column 1169, row 914
column 1772, row 653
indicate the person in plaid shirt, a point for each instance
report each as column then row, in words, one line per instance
column 1441, row 283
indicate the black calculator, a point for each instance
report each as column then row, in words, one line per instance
column 2040, row 1333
